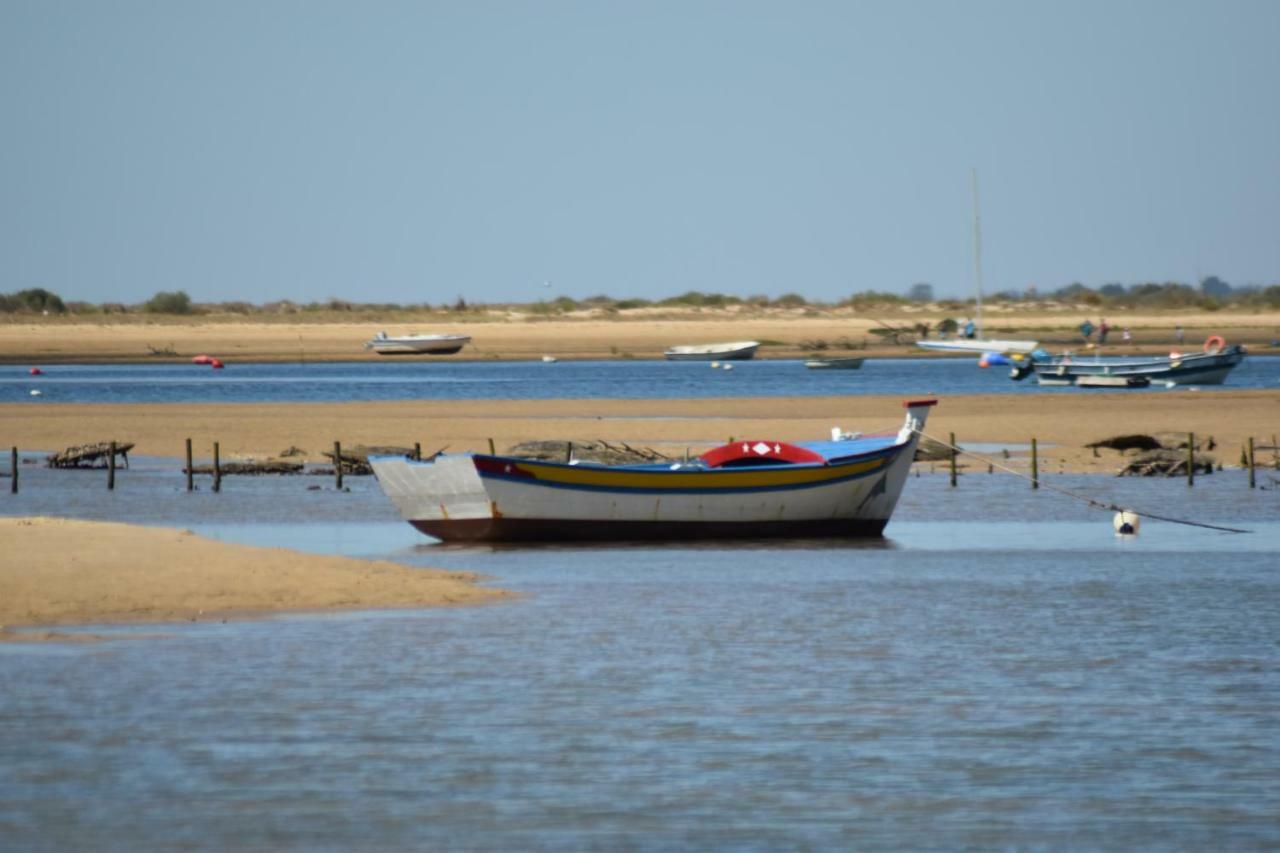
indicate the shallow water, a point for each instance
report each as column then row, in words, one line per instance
column 474, row 380
column 1001, row 670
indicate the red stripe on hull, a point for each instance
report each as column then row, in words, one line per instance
column 559, row 530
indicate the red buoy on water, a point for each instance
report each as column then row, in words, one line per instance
column 35, row 371
column 202, row 359
column 216, row 364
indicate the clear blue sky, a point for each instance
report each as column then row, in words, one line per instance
column 418, row 151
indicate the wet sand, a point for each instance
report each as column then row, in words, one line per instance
column 63, row 572
column 642, row 334
column 1062, row 423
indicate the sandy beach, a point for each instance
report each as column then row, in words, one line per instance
column 642, row 334
column 1062, row 423
column 64, row 572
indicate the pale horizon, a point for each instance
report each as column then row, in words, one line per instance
column 420, row 152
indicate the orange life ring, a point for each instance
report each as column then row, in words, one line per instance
column 1214, row 342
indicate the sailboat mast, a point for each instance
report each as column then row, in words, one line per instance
column 977, row 255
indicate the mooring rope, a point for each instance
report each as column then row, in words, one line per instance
column 1096, row 504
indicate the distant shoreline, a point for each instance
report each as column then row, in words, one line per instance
column 783, row 335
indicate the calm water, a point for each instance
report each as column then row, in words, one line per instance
column 462, row 380
column 1000, row 671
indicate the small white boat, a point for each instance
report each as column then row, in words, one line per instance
column 736, row 351
column 979, row 345
column 384, row 344
column 853, row 363
column 748, row 489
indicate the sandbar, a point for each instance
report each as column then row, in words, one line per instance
column 56, row 571
column 640, row 334
column 1062, row 423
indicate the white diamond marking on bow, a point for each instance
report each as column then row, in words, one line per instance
column 761, row 448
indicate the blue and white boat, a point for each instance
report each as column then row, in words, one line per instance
column 1209, row 367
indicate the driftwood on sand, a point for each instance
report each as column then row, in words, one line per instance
column 1166, row 463
column 89, row 455
column 599, row 451
column 929, row 450
column 251, row 467
column 355, row 460
column 1128, row 442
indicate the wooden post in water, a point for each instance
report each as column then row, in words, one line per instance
column 1253, row 484
column 1035, row 465
column 13, row 471
column 217, row 469
column 568, row 452
column 191, row 481
column 417, row 451
column 953, row 460
column 491, row 450
column 337, row 464
column 111, row 468
column 1191, row 459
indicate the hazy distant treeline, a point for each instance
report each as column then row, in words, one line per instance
column 1210, row 295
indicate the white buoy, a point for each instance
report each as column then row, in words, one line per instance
column 36, row 392
column 728, row 367
column 1126, row 523
column 714, row 365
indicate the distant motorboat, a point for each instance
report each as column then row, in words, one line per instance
column 852, row 363
column 1209, row 367
column 736, row 351
column 384, row 344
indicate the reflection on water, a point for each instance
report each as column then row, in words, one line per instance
column 1000, row 671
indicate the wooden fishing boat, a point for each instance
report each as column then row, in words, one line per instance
column 1209, row 367
column 845, row 487
column 853, row 363
column 736, row 351
column 384, row 344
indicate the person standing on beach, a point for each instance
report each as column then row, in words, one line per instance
column 1128, row 338
column 1103, row 328
column 1086, row 330
column 1179, row 334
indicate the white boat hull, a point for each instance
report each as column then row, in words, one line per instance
column 980, row 346
column 418, row 344
column 738, row 351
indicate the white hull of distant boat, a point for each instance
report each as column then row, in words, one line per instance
column 834, row 363
column 980, row 345
column 736, row 351
column 383, row 344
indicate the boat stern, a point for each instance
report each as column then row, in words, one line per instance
column 445, row 488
